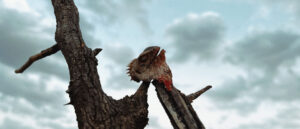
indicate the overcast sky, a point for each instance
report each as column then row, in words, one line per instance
column 249, row 50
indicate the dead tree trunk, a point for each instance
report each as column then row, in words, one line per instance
column 178, row 106
column 93, row 108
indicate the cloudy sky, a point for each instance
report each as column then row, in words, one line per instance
column 249, row 50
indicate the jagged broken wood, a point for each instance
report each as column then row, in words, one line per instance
column 178, row 107
column 195, row 95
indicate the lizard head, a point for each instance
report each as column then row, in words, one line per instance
column 143, row 67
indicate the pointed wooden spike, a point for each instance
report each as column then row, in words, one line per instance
column 195, row 95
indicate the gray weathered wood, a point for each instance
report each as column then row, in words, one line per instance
column 178, row 108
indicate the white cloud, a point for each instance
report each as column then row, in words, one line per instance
column 19, row 5
column 262, row 13
column 266, row 49
column 196, row 35
column 109, row 12
column 240, row 97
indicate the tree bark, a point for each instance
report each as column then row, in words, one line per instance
column 178, row 106
column 94, row 109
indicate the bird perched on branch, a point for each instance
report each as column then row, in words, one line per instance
column 151, row 64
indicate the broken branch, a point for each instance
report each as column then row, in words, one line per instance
column 195, row 95
column 97, row 51
column 42, row 54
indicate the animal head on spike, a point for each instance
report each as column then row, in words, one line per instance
column 150, row 64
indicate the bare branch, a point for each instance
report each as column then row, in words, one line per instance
column 42, row 54
column 195, row 95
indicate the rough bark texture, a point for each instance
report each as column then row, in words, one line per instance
column 94, row 109
column 178, row 107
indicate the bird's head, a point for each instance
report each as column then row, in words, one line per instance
column 143, row 67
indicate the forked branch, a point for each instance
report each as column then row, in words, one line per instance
column 42, row 54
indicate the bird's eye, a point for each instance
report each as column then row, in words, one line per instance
column 143, row 58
